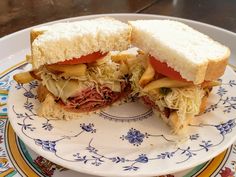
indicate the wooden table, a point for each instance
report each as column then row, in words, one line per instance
column 19, row 14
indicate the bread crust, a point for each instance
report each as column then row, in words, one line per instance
column 215, row 69
column 34, row 34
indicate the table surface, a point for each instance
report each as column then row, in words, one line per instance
column 16, row 15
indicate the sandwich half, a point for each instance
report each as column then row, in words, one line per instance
column 73, row 62
column 181, row 68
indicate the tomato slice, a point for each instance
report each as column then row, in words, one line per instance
column 84, row 59
column 163, row 68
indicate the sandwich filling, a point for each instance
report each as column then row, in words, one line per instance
column 163, row 89
column 93, row 85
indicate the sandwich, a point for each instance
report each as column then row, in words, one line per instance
column 74, row 66
column 182, row 65
column 173, row 70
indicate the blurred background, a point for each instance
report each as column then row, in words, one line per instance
column 19, row 14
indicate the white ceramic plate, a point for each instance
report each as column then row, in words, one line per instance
column 124, row 140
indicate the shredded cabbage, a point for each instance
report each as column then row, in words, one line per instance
column 137, row 69
column 105, row 72
column 186, row 100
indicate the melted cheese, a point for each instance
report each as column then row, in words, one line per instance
column 62, row 88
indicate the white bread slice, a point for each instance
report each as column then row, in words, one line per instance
column 64, row 41
column 194, row 55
